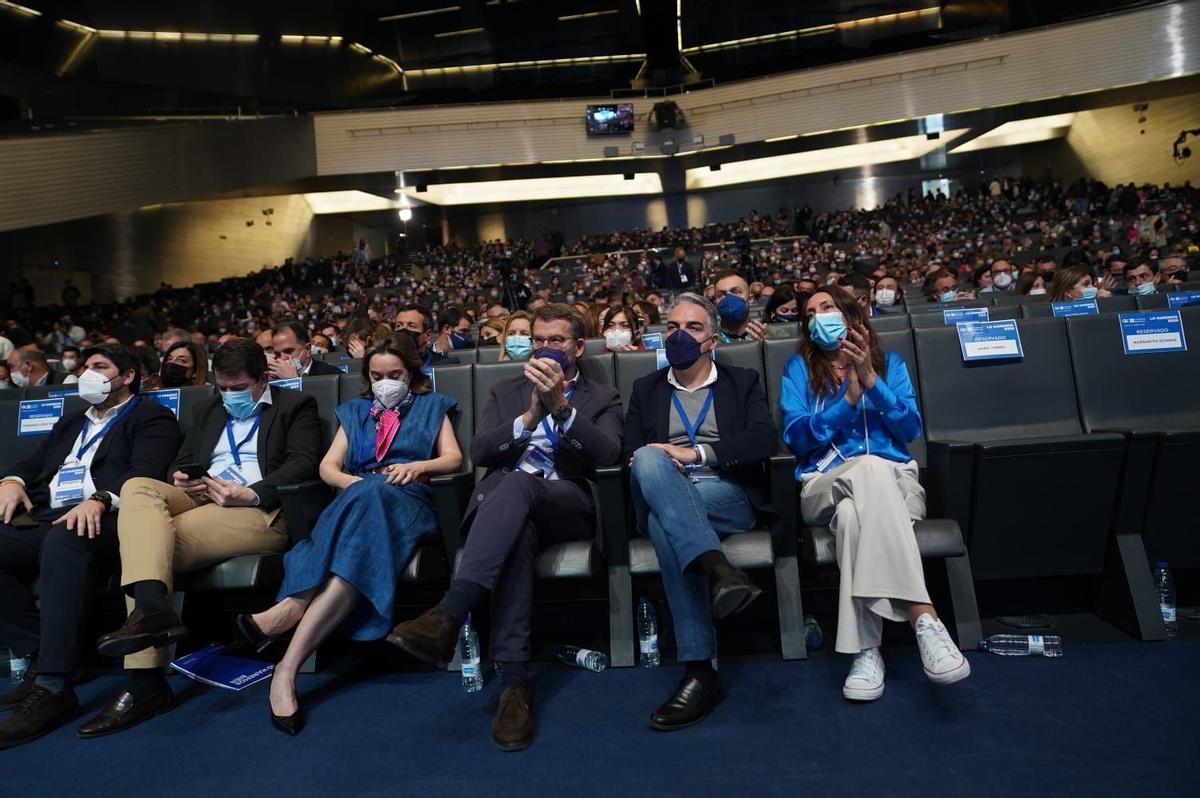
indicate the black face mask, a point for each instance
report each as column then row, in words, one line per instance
column 173, row 375
column 489, row 341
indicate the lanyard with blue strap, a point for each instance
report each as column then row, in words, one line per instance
column 234, row 448
column 85, row 443
column 690, row 427
column 551, row 432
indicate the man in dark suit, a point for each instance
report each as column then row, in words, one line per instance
column 541, row 437
column 290, row 343
column 698, row 433
column 58, row 526
column 418, row 322
column 246, row 441
column 681, row 275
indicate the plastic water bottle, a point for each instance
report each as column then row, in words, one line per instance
column 17, row 668
column 1023, row 645
column 581, row 657
column 468, row 652
column 1164, row 585
column 813, row 636
column 648, row 634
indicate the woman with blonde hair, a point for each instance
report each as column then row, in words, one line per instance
column 516, row 342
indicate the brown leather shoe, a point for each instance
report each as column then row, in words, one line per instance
column 512, row 728
column 124, row 712
column 142, row 631
column 430, row 638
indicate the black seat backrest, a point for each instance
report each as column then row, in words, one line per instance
column 890, row 322
column 13, row 447
column 349, row 386
column 48, row 391
column 593, row 346
column 1005, row 298
column 776, row 354
column 11, row 395
column 630, row 366
column 325, row 390
column 746, row 354
column 1155, row 301
column 989, row 400
column 458, row 383
column 190, row 397
column 901, row 342
column 1117, row 304
column 1150, row 391
column 599, row 368
column 784, row 329
column 486, row 377
column 488, row 354
column 918, row 306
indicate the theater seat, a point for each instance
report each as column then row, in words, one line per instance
column 1006, row 446
column 1162, row 427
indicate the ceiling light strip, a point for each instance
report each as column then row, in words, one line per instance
column 175, row 36
column 452, row 33
column 589, row 15
column 77, row 26
column 545, row 62
column 813, row 30
column 20, row 9
column 414, row 14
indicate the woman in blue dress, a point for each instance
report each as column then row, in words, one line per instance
column 389, row 442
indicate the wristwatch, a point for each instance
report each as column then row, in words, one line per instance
column 104, row 497
column 561, row 413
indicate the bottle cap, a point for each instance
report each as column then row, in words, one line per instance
column 1161, row 565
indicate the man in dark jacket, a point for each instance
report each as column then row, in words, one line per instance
column 698, row 433
column 222, row 501
column 541, row 437
column 58, row 526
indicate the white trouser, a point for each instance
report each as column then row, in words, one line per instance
column 870, row 504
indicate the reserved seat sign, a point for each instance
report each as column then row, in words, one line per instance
column 989, row 340
column 1152, row 331
column 38, row 416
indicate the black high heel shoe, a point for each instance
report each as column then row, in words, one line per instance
column 289, row 724
column 248, row 630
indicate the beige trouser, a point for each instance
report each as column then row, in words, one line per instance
column 164, row 530
column 870, row 504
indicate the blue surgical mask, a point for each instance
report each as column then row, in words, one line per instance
column 519, row 347
column 826, row 328
column 732, row 308
column 239, row 404
column 682, row 349
column 947, row 296
column 459, row 340
column 1145, row 289
column 1089, row 292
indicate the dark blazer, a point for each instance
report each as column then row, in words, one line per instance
column 748, row 434
column 289, row 441
column 674, row 280
column 319, row 368
column 594, row 438
column 143, row 444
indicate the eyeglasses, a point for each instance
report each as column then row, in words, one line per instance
column 555, row 342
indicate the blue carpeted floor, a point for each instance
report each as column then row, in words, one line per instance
column 1103, row 720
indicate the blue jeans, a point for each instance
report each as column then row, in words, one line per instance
column 684, row 519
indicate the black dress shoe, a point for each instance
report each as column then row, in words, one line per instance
column 289, row 724
column 142, row 631
column 248, row 630
column 731, row 592
column 41, row 712
column 125, row 712
column 691, row 703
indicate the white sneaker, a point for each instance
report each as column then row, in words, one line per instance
column 944, row 663
column 865, row 680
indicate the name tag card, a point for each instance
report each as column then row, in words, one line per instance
column 167, row 397
column 292, row 384
column 231, row 474
column 660, row 359
column 1152, row 331
column 38, row 416
column 1079, row 307
column 652, row 340
column 989, row 340
column 956, row 315
column 1183, row 299
column 69, row 489
column 60, row 392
